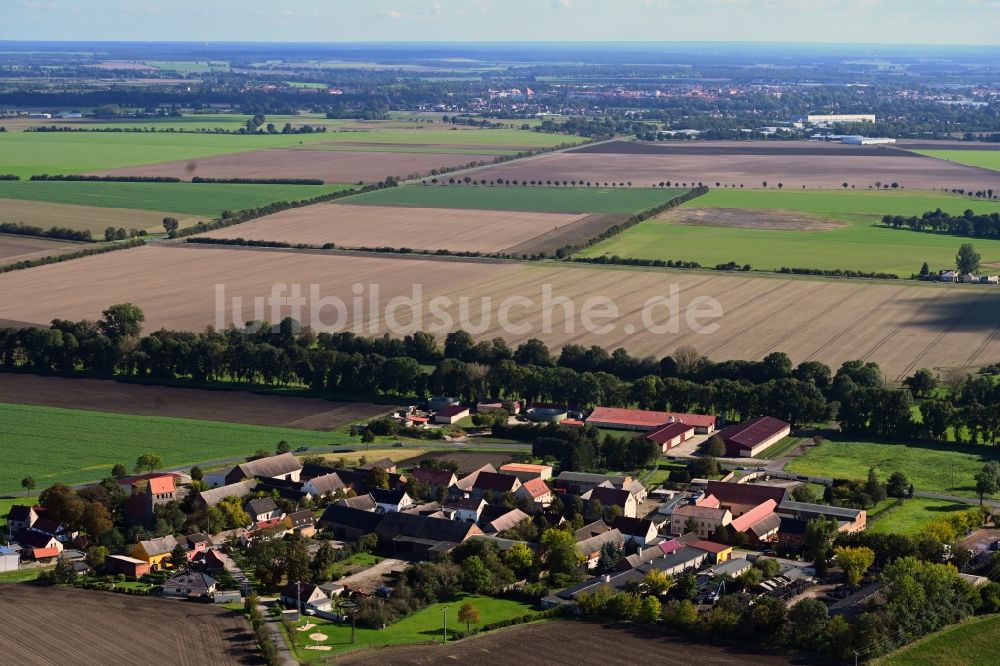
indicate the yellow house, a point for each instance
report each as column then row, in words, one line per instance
column 155, row 551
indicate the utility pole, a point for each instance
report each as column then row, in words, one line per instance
column 444, row 632
column 855, row 657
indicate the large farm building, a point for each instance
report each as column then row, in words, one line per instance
column 618, row 418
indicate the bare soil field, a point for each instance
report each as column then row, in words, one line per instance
column 71, row 626
column 901, row 325
column 467, row 460
column 731, row 148
column 393, row 226
column 103, row 395
column 812, row 166
column 328, row 165
column 744, row 218
column 583, row 230
column 579, row 643
column 17, row 248
column 96, row 219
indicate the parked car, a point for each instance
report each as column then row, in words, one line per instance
column 302, row 449
column 398, row 445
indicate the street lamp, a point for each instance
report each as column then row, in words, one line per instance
column 444, row 633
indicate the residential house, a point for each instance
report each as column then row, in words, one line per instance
column 609, row 497
column 758, row 525
column 525, row 472
column 590, row 548
column 734, row 567
column 147, row 491
column 498, row 518
column 52, row 528
column 848, row 520
column 717, row 552
column 20, row 517
column 302, row 596
column 39, row 546
column 435, row 479
column 536, row 490
column 702, row 520
column 742, row 497
column 451, row 414
column 302, row 523
column 466, row 482
column 494, row 484
column 128, row 566
column 639, row 530
column 349, row 523
column 263, row 509
column 433, row 509
column 326, row 485
column 421, row 536
column 948, row 276
column 189, row 585
column 362, row 502
column 282, row 466
column 155, row 551
column 388, row 501
column 288, row 490
column 465, row 509
column 196, row 543
column 385, row 464
column 591, row 530
column 752, row 438
column 577, row 483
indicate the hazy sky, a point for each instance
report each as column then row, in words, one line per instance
column 866, row 21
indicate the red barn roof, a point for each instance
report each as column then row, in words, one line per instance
column 642, row 418
column 753, row 432
column 668, row 432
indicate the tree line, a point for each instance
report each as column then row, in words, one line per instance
column 62, row 233
column 938, row 221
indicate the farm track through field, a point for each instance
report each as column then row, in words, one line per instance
column 898, row 327
column 981, row 348
column 781, row 285
column 939, row 337
column 767, row 315
column 639, row 309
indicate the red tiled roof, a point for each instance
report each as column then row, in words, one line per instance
column 670, row 546
column 452, row 410
column 645, row 418
column 668, row 432
column 711, row 501
column 41, row 553
column 417, row 419
column 536, row 487
column 711, row 546
column 524, row 467
column 744, row 493
column 759, row 512
column 161, row 484
column 753, row 432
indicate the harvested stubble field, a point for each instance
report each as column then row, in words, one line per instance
column 17, row 248
column 96, row 220
column 903, row 326
column 393, row 226
column 794, row 164
column 327, row 165
column 591, row 643
column 87, row 628
column 103, row 395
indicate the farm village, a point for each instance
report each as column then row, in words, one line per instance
column 388, row 356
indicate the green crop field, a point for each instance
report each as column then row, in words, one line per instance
column 934, row 468
column 421, row 627
column 74, row 446
column 858, row 245
column 987, row 159
column 189, row 198
column 913, row 515
column 971, row 643
column 438, row 134
column 538, row 199
column 30, row 153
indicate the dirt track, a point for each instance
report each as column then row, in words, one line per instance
column 87, row 628
column 328, row 165
column 567, row 642
column 103, row 395
column 394, row 226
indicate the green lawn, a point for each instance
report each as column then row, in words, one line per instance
column 934, row 468
column 987, row 159
column 20, row 576
column 913, row 515
column 781, row 448
column 424, row 626
column 74, row 446
column 971, row 643
column 858, row 245
column 540, row 199
column 30, row 153
column 207, row 199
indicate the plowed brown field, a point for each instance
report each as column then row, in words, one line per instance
column 86, row 628
column 330, row 166
column 393, row 226
column 18, row 248
column 903, row 326
column 794, row 164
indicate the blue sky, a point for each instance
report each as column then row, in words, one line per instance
column 837, row 21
